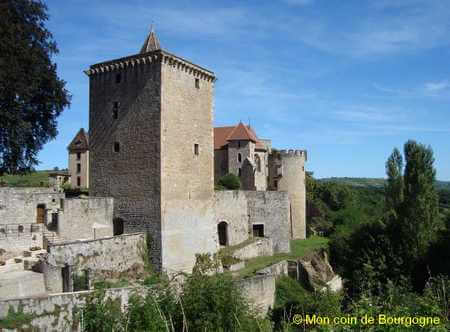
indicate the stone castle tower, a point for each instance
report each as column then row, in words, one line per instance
column 151, row 148
column 287, row 173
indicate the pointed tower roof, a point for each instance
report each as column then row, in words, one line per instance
column 80, row 141
column 151, row 42
column 241, row 132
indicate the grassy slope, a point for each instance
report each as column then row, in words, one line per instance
column 33, row 179
column 299, row 248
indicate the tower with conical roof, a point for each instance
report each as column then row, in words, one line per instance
column 150, row 119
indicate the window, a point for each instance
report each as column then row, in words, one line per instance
column 258, row 230
column 196, row 149
column 239, row 172
column 197, row 83
column 116, row 110
column 78, row 181
column 239, row 157
column 222, row 232
column 78, row 155
column 258, row 163
column 275, row 184
column 116, row 147
column 78, row 168
column 118, row 78
column 20, row 229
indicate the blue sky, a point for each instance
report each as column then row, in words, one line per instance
column 346, row 80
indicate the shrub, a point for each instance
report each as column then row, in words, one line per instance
column 230, row 182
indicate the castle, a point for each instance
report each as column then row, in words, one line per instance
column 153, row 148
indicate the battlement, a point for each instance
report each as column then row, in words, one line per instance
column 293, row 154
column 158, row 56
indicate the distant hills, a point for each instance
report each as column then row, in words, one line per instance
column 373, row 182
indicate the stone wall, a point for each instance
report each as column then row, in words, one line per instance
column 187, row 163
column 15, row 239
column 19, row 205
column 220, row 164
column 61, row 312
column 271, row 209
column 104, row 258
column 260, row 290
column 261, row 247
column 262, row 172
column 86, row 218
column 231, row 207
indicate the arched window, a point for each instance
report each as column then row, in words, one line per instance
column 258, row 163
column 239, row 157
column 222, row 232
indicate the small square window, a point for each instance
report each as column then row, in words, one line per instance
column 116, row 147
column 197, row 83
column 118, row 78
column 196, row 151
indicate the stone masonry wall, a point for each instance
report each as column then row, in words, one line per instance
column 271, row 209
column 19, row 205
column 231, row 207
column 261, row 247
column 107, row 257
column 187, row 163
column 61, row 312
column 132, row 175
column 86, row 218
column 13, row 240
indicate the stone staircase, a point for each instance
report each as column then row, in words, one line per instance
column 52, row 237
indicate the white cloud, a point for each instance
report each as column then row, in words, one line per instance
column 435, row 87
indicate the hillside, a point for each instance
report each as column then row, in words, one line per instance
column 33, row 179
column 373, row 182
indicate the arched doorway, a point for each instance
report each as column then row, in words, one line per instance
column 222, row 231
column 117, row 226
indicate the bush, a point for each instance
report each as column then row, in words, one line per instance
column 230, row 182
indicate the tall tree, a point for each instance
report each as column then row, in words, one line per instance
column 32, row 95
column 394, row 186
column 421, row 203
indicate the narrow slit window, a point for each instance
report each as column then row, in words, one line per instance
column 239, row 157
column 78, row 181
column 116, row 147
column 196, row 151
column 116, row 110
column 78, row 168
column 197, row 83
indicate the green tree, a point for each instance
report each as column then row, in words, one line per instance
column 394, row 187
column 31, row 94
column 230, row 182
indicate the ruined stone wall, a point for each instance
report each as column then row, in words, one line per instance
column 13, row 239
column 19, row 205
column 86, row 218
column 260, row 247
column 260, row 290
column 271, row 209
column 84, row 171
column 231, row 206
column 131, row 176
column 107, row 257
column 187, row 163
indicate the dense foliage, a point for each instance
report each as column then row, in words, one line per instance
column 31, row 94
column 229, row 182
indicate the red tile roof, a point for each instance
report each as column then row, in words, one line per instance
column 80, row 141
column 222, row 135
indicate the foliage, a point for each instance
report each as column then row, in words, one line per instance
column 16, row 319
column 31, row 94
column 205, row 301
column 230, row 182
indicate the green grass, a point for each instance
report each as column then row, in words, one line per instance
column 299, row 249
column 229, row 250
column 33, row 179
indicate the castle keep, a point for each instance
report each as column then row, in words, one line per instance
column 152, row 147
